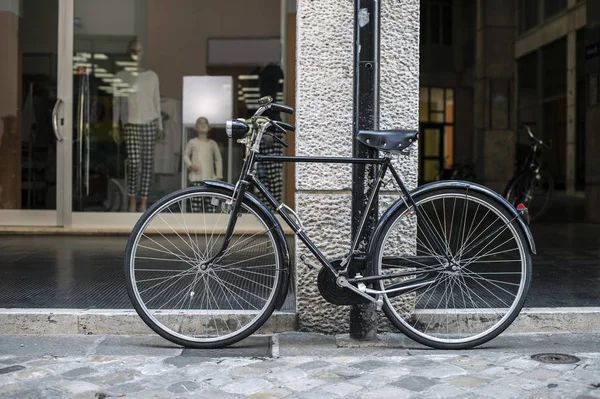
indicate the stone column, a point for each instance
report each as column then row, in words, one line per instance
column 592, row 138
column 494, row 81
column 324, row 128
column 10, row 105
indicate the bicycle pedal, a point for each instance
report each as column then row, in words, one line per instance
column 309, row 263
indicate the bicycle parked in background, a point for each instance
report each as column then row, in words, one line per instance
column 531, row 184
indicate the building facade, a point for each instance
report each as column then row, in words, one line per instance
column 467, row 73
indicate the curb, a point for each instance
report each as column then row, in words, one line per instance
column 557, row 320
column 127, row 322
column 101, row 322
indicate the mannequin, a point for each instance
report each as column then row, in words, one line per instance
column 137, row 111
column 203, row 159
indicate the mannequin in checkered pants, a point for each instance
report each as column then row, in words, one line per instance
column 136, row 108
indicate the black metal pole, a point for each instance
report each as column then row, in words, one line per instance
column 363, row 317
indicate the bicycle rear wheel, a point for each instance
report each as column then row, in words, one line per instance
column 479, row 292
column 186, row 301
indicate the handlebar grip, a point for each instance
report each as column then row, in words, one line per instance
column 287, row 126
column 282, row 108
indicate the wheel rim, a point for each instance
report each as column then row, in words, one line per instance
column 190, row 300
column 486, row 290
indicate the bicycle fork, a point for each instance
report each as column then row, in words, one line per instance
column 236, row 204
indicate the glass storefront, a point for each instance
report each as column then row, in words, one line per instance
column 97, row 120
column 31, row 109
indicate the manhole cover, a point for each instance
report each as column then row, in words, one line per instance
column 556, row 358
column 255, row 346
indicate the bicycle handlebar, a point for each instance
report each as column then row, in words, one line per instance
column 282, row 108
column 530, row 133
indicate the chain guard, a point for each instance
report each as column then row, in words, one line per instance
column 333, row 293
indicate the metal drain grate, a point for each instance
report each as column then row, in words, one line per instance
column 555, row 358
column 261, row 346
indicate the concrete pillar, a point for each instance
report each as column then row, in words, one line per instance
column 10, row 105
column 494, row 82
column 571, row 139
column 324, row 127
column 592, row 138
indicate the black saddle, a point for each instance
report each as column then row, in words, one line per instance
column 388, row 140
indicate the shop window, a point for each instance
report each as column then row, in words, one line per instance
column 436, row 105
column 436, row 142
column 449, row 108
column 424, row 104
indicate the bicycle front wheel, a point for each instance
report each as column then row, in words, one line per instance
column 465, row 292
column 192, row 303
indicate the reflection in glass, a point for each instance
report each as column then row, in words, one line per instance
column 437, row 99
column 449, row 106
column 432, row 168
column 448, row 146
column 28, row 80
column 432, row 142
column 424, row 104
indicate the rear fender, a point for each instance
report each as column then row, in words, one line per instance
column 427, row 188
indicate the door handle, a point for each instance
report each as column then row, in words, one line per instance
column 55, row 126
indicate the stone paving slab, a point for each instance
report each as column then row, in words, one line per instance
column 309, row 366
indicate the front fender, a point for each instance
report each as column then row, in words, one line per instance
column 278, row 231
column 427, row 188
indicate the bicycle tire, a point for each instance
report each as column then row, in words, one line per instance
column 192, row 322
column 409, row 312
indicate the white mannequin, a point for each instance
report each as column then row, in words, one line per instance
column 139, row 111
column 202, row 155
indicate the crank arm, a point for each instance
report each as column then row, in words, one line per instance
column 342, row 282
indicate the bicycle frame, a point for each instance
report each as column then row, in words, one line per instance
column 248, row 178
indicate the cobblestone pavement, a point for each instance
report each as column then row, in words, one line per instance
column 307, row 366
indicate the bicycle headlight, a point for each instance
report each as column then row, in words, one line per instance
column 236, row 129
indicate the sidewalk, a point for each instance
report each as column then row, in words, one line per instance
column 295, row 365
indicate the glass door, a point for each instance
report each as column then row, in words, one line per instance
column 126, row 134
column 35, row 77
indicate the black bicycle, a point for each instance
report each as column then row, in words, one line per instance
column 531, row 185
column 449, row 263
